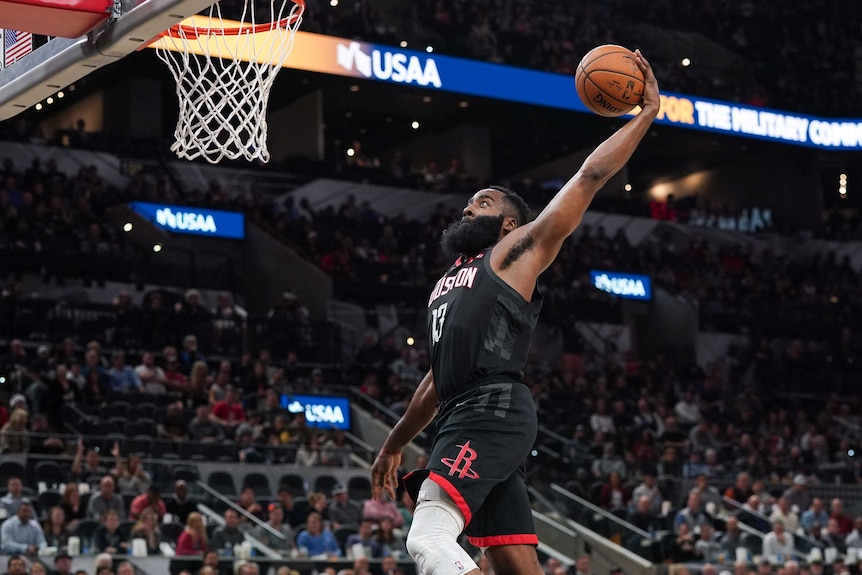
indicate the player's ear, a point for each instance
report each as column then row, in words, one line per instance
column 509, row 224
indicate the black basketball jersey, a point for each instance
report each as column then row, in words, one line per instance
column 478, row 327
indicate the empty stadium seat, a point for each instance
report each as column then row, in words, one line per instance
column 295, row 483
column 11, row 469
column 50, row 473
column 222, row 482
column 259, row 482
column 325, row 484
column 359, row 488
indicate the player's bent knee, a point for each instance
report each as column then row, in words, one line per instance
column 432, row 541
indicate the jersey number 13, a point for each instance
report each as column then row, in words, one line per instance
column 438, row 316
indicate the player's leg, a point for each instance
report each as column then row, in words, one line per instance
column 433, row 537
column 514, row 560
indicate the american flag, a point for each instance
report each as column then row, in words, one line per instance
column 16, row 45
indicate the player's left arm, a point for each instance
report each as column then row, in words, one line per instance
column 545, row 235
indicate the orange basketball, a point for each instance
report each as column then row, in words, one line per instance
column 609, row 81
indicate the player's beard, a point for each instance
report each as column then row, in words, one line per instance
column 469, row 237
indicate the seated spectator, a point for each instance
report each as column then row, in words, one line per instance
column 365, row 538
column 650, row 490
column 55, row 528
column 854, row 539
column 608, row 462
column 707, row 544
column 683, row 549
column 179, row 504
column 783, row 513
column 42, row 441
column 294, row 515
column 175, row 380
column 228, row 413
column 376, row 510
column 190, row 353
column 193, row 539
column 202, row 428
column 797, row 495
column 732, row 537
column 123, row 377
column 336, row 452
column 21, row 533
column 106, row 500
column 750, row 515
column 152, row 499
column 14, row 436
column 342, row 511
column 814, row 514
column 270, row 407
column 62, row 390
column 147, row 528
column 62, row 563
column 14, row 496
column 643, row 516
column 131, row 475
column 226, row 536
column 740, row 491
column 778, row 544
column 833, row 537
column 390, row 540
column 614, row 495
column 173, row 425
column 692, row 514
column 687, row 410
column 125, row 568
column 87, row 469
column 247, row 502
column 71, row 504
column 845, row 524
column 276, row 522
column 149, row 372
column 108, row 538
column 16, row 565
column 309, row 453
column 315, row 541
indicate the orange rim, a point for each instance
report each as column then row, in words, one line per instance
column 194, row 32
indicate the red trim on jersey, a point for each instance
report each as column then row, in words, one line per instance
column 498, row 540
column 452, row 491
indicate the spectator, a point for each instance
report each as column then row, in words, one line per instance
column 16, row 565
column 87, row 469
column 376, row 510
column 152, row 499
column 247, row 502
column 740, row 491
column 364, row 538
column 797, row 495
column 283, row 545
column 750, row 515
column 14, row 496
column 845, row 524
column 854, row 539
column 342, row 511
column 336, row 452
column 643, row 516
column 710, row 497
column 228, row 535
column 614, row 495
column 687, row 410
column 309, row 454
column 814, row 514
column 148, row 372
column 683, row 549
column 21, row 533
column 179, row 504
column 62, row 390
column 315, row 541
column 14, row 437
column 203, row 428
column 125, row 568
column 108, row 538
column 131, row 476
column 43, row 441
column 294, row 515
column 732, row 537
column 390, row 540
column 55, row 528
column 123, row 377
column 228, row 413
column 601, row 421
column 778, row 544
column 62, row 563
column 193, row 539
column 190, row 353
column 707, row 544
column 173, row 425
column 609, row 462
column 71, row 504
column 692, row 514
column 650, row 490
column 783, row 513
column 106, row 500
column 833, row 537
column 147, row 528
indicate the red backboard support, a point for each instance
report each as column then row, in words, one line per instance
column 63, row 18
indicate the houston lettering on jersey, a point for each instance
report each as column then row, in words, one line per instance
column 464, row 278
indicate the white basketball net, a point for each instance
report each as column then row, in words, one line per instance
column 224, row 78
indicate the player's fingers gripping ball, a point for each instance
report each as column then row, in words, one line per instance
column 609, row 81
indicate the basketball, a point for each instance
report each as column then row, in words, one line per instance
column 609, row 81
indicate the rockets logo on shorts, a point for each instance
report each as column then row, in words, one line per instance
column 460, row 466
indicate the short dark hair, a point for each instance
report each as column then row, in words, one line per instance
column 517, row 202
column 15, row 558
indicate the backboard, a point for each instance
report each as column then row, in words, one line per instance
column 62, row 61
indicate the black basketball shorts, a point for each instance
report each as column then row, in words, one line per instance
column 478, row 459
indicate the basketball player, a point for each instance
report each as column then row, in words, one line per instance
column 481, row 315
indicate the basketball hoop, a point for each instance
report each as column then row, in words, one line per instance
column 224, row 72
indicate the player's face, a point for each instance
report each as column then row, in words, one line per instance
column 479, row 228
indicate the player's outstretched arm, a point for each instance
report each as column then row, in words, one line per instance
column 420, row 412
column 566, row 210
